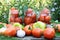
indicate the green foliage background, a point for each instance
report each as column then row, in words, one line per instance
column 23, row 5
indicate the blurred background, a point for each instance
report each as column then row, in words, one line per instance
column 23, row 5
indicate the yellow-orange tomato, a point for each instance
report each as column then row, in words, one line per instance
column 10, row 32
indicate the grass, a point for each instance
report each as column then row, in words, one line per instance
column 8, row 38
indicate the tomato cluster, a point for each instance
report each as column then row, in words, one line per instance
column 45, row 16
column 14, row 16
column 30, row 16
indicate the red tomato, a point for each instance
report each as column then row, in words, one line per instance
column 27, row 20
column 47, row 18
column 37, row 32
column 10, row 32
column 49, row 33
column 18, row 20
column 28, row 29
column 12, row 19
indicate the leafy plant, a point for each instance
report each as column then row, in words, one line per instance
column 22, row 6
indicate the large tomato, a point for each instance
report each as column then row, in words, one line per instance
column 49, row 33
column 28, row 29
column 37, row 32
column 27, row 20
column 10, row 31
column 18, row 20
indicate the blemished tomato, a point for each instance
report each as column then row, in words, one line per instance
column 18, row 20
column 12, row 19
column 28, row 29
column 27, row 20
column 37, row 32
column 57, row 27
column 47, row 18
column 10, row 32
column 49, row 33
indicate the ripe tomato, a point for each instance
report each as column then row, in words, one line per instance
column 37, row 32
column 27, row 20
column 18, row 20
column 28, row 29
column 10, row 32
column 49, row 33
column 12, row 19
column 47, row 18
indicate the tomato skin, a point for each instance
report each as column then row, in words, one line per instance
column 18, row 20
column 49, row 33
column 27, row 20
column 12, row 19
column 41, row 18
column 10, row 32
column 37, row 32
column 28, row 30
column 47, row 18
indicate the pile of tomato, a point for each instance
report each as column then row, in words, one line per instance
column 33, row 24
